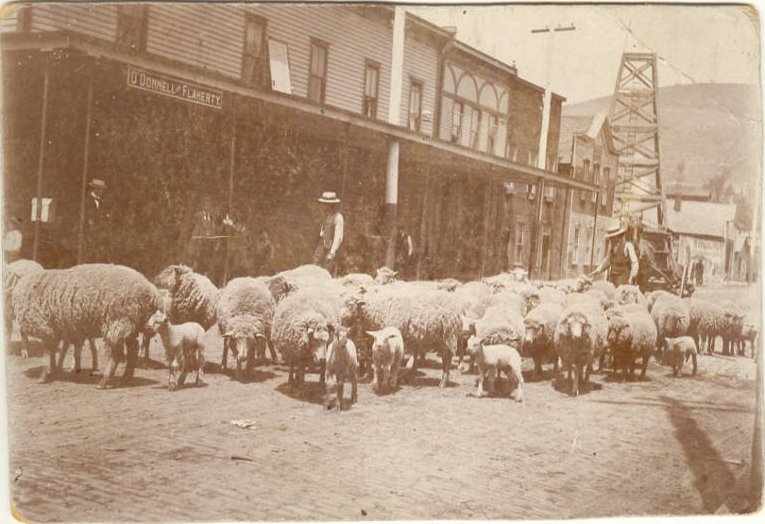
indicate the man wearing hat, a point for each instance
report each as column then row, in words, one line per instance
column 330, row 233
column 12, row 240
column 96, row 219
column 621, row 259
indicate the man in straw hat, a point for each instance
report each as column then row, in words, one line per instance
column 621, row 258
column 330, row 233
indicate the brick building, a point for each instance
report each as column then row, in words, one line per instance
column 253, row 110
column 587, row 153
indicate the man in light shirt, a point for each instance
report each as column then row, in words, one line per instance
column 621, row 259
column 330, row 234
column 12, row 240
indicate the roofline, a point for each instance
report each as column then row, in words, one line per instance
column 99, row 48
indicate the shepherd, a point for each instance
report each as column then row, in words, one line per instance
column 330, row 233
column 621, row 259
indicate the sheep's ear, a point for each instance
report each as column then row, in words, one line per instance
column 373, row 334
column 227, row 335
column 260, row 335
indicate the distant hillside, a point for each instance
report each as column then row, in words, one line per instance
column 711, row 127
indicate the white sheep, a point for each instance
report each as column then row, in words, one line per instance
column 631, row 335
column 678, row 350
column 493, row 359
column 245, row 312
column 184, row 348
column 12, row 273
column 732, row 325
column 606, row 287
column 387, row 353
column 342, row 365
column 580, row 337
column 539, row 336
column 629, row 294
column 749, row 333
column 706, row 320
column 499, row 325
column 671, row 316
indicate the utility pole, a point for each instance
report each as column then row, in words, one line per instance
column 549, row 49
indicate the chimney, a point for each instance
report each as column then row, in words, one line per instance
column 678, row 203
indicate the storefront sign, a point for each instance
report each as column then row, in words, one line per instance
column 172, row 87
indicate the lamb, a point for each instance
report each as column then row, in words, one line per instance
column 631, row 334
column 672, row 317
column 492, row 359
column 387, row 353
column 342, row 365
column 12, row 273
column 429, row 320
column 499, row 325
column 678, row 351
column 245, row 313
column 87, row 301
column 705, row 322
column 606, row 287
column 580, row 337
column 303, row 325
column 539, row 335
column 184, row 348
column 629, row 294
column 193, row 298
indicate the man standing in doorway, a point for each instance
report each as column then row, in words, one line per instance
column 621, row 259
column 97, row 218
column 330, row 233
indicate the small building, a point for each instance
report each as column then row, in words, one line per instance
column 703, row 230
column 587, row 153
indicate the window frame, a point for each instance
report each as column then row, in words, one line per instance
column 455, row 138
column 370, row 64
column 138, row 13
column 265, row 59
column 315, row 42
column 520, row 234
column 420, row 85
column 491, row 139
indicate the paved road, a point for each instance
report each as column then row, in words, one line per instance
column 666, row 445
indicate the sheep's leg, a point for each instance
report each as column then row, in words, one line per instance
column 172, row 369
column 394, row 369
column 538, row 365
column 272, row 352
column 480, row 392
column 694, row 361
column 63, row 348
column 24, row 345
column 47, row 374
column 78, row 357
column 224, row 358
column 131, row 347
column 515, row 376
column 491, row 376
column 323, row 373
column 113, row 356
column 378, row 379
column 354, row 387
column 145, row 343
column 200, row 366
column 340, row 394
column 446, row 362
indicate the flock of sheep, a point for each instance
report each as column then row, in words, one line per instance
column 359, row 325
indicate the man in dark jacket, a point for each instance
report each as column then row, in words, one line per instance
column 97, row 218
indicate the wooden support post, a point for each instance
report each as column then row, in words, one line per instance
column 84, row 179
column 564, row 237
column 41, row 160
column 423, row 240
column 231, row 169
column 487, row 211
column 537, row 226
column 594, row 230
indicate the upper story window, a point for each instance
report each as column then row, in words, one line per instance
column 131, row 27
column 458, row 110
column 254, row 52
column 371, row 89
column 317, row 80
column 24, row 19
column 491, row 134
column 415, row 106
column 475, row 125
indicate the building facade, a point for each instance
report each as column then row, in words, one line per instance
column 587, row 153
column 253, row 110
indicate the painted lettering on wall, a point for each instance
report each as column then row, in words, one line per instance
column 172, row 87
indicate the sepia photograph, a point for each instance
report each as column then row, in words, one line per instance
column 379, row 261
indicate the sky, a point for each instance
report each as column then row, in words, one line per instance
column 695, row 44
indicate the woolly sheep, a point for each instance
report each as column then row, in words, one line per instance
column 387, row 353
column 193, row 296
column 705, row 322
column 12, row 273
column 749, row 333
column 606, row 287
column 539, row 336
column 629, row 294
column 550, row 295
column 184, row 348
column 278, row 286
column 653, row 296
column 342, row 365
column 511, row 301
column 492, row 359
column 678, row 351
column 429, row 320
column 448, row 284
column 580, row 337
column 499, row 325
column 732, row 325
column 357, row 280
column 671, row 316
column 87, row 301
column 245, row 313
column 631, row 335
column 385, row 275
column 304, row 323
